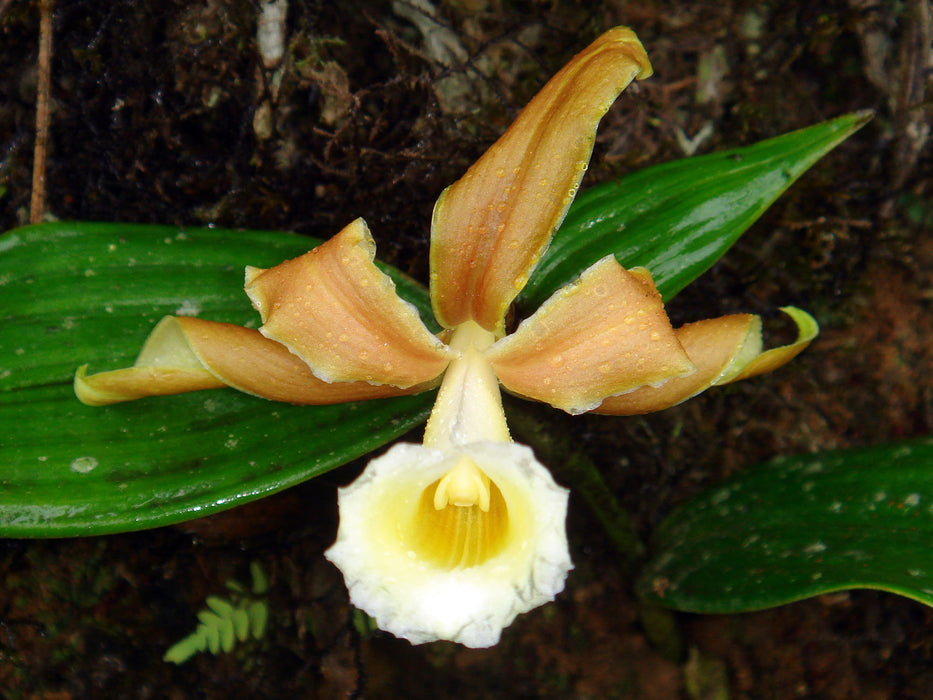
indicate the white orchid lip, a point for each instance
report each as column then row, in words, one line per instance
column 459, row 573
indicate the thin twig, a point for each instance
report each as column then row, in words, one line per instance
column 37, row 203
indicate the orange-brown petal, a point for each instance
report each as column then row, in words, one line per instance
column 491, row 226
column 605, row 334
column 342, row 316
column 725, row 350
column 712, row 345
column 248, row 361
column 189, row 354
column 131, row 383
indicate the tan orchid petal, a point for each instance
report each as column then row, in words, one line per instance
column 603, row 335
column 339, row 313
column 165, row 365
column 248, row 361
column 715, row 346
column 725, row 350
column 491, row 226
column 117, row 386
column 189, row 354
column 770, row 360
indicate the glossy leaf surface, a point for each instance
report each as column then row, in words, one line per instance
column 75, row 293
column 678, row 218
column 799, row 527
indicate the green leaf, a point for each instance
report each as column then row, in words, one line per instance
column 235, row 586
column 223, row 608
column 260, row 580
column 183, row 650
column 241, row 624
column 75, row 293
column 798, row 527
column 258, row 613
column 227, row 635
column 208, row 618
column 212, row 635
column 678, row 218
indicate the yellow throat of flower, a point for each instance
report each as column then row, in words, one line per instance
column 462, row 519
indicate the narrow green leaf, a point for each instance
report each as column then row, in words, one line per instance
column 241, row 624
column 220, row 606
column 260, row 580
column 235, row 586
column 798, row 527
column 212, row 634
column 183, row 650
column 209, row 618
column 258, row 613
column 75, row 293
column 678, row 218
column 227, row 635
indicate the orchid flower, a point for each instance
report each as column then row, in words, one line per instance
column 454, row 538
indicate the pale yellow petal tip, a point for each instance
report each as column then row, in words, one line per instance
column 770, row 360
column 88, row 394
column 807, row 326
column 251, row 274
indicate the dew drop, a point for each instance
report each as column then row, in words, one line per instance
column 83, row 465
column 815, row 548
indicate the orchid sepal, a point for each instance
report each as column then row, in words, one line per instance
column 725, row 349
column 490, row 228
column 185, row 354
